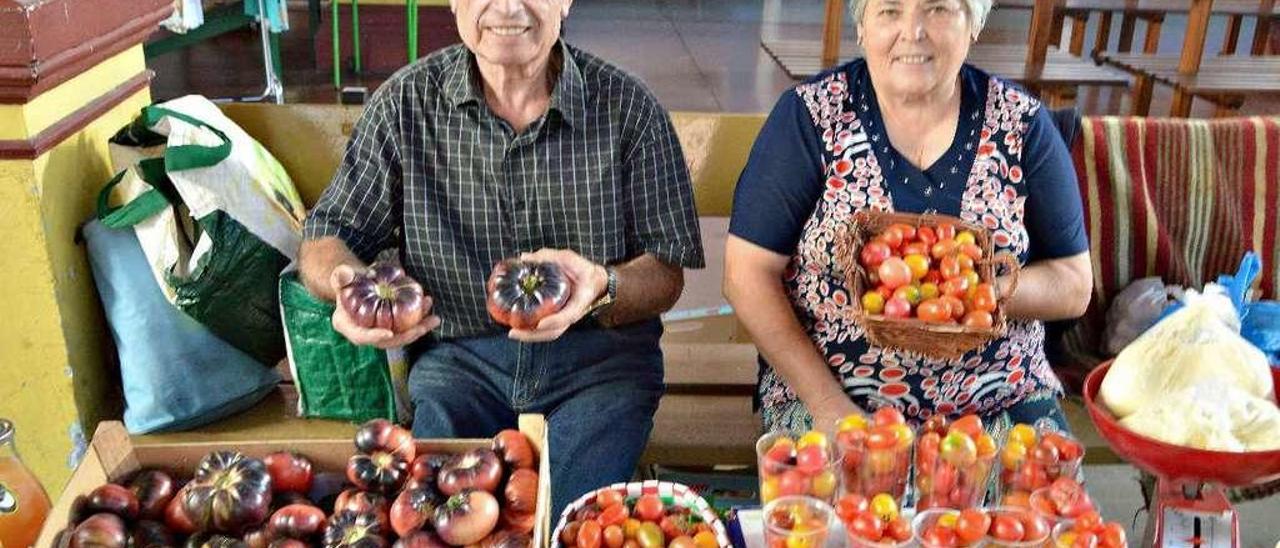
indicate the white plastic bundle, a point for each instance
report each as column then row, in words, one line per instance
column 1192, row 380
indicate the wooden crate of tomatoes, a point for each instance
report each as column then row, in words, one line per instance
column 384, row 489
column 923, row 283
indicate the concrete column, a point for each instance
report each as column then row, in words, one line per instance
column 71, row 74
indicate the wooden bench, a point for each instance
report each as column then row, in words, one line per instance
column 705, row 420
column 1223, row 80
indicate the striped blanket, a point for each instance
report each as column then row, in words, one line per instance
column 1180, row 199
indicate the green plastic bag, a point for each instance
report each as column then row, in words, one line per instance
column 335, row 378
column 190, row 177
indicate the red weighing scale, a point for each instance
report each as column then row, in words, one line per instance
column 1189, row 508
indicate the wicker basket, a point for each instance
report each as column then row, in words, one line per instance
column 671, row 494
column 934, row 340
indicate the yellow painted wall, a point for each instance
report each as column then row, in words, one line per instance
column 53, row 382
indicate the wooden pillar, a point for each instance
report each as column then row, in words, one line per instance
column 832, row 21
column 71, row 74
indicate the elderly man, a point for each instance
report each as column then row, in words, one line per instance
column 515, row 143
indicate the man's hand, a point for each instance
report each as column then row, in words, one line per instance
column 381, row 338
column 589, row 281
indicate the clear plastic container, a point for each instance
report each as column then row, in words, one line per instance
column 870, row 471
column 1039, row 467
column 797, row 522
column 784, row 479
column 1021, row 514
column 924, row 520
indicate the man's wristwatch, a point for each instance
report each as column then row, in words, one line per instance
column 610, row 293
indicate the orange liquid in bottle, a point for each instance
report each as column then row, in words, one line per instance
column 23, row 505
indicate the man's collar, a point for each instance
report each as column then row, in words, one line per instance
column 568, row 97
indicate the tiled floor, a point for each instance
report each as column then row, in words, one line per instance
column 697, row 55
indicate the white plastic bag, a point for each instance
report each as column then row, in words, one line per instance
column 1133, row 311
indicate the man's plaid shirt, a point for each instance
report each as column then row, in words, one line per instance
column 432, row 171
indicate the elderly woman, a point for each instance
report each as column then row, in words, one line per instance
column 909, row 128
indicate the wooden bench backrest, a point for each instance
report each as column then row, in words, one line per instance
column 309, row 141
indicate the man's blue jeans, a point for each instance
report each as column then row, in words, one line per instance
column 598, row 388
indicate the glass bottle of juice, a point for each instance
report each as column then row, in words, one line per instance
column 23, row 502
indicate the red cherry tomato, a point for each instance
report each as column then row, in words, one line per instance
column 956, row 306
column 943, row 248
column 874, row 253
column 949, row 267
column 1006, row 528
column 907, row 231
column 609, row 497
column 971, row 251
column 615, row 514
column 1088, row 521
column 589, row 535
column 1085, row 540
column 945, row 231
column 899, row 529
column 926, row 236
column 957, row 287
column 1034, row 527
column 939, row 537
column 915, row 248
column 882, row 437
column 985, row 298
column 649, row 508
column 892, row 237
column 897, row 307
column 793, row 482
column 867, row 526
column 972, row 525
column 888, row 416
column 979, row 319
column 1112, row 536
column 850, row 505
column 894, row 273
column 971, row 425
column 934, row 310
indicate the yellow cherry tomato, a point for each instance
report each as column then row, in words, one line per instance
column 824, row 485
column 905, row 437
column 813, row 437
column 1013, row 454
column 948, row 520
column 1024, row 434
column 986, row 446
column 768, row 490
column 919, row 265
column 852, row 422
column 872, row 302
column 966, row 237
column 928, row 290
column 884, row 507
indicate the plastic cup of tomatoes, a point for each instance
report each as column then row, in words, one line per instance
column 940, row 528
column 797, row 466
column 1017, row 528
column 797, row 522
column 874, row 523
column 1064, row 500
column 1090, row 532
column 1032, row 459
column 952, row 469
column 875, row 454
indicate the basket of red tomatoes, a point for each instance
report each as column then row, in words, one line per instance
column 649, row 514
column 923, row 283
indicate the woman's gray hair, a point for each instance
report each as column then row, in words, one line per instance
column 977, row 9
